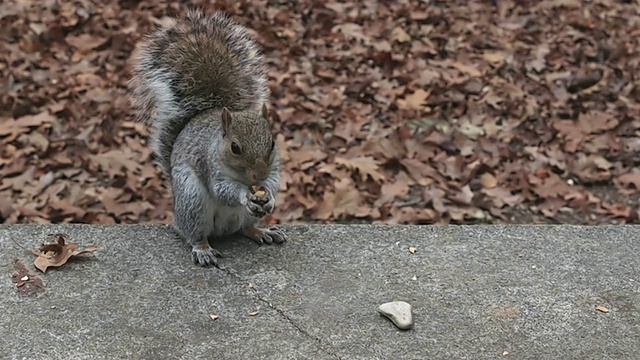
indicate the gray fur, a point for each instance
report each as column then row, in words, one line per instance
column 185, row 76
column 213, row 199
column 200, row 62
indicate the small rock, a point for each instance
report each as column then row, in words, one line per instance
column 399, row 312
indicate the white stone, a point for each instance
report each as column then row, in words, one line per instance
column 399, row 312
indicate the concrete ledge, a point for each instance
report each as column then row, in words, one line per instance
column 477, row 292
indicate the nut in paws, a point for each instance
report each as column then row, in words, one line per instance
column 261, row 206
column 259, row 192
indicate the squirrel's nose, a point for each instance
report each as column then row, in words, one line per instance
column 260, row 172
column 259, row 176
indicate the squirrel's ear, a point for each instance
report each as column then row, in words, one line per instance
column 226, row 120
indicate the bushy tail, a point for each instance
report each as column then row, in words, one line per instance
column 200, row 62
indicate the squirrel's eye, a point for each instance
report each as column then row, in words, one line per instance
column 273, row 145
column 235, row 148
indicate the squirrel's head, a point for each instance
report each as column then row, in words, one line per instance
column 249, row 146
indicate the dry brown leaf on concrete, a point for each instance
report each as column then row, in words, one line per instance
column 26, row 282
column 58, row 253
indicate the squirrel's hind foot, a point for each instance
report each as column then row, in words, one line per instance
column 264, row 236
column 204, row 255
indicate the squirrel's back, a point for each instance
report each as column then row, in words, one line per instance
column 200, row 62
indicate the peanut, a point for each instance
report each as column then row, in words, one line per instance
column 258, row 192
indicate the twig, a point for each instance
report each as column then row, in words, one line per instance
column 36, row 253
column 408, row 203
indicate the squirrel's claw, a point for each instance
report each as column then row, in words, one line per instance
column 255, row 210
column 263, row 236
column 259, row 200
column 205, row 257
column 278, row 236
column 269, row 206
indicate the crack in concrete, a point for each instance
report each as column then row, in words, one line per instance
column 283, row 314
column 297, row 327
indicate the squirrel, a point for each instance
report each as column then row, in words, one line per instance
column 200, row 83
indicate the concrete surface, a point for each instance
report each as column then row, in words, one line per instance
column 478, row 292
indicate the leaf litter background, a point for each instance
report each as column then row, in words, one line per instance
column 388, row 111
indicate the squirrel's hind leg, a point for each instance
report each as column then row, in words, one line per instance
column 264, row 236
column 192, row 215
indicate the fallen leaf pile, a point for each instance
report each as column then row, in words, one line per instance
column 386, row 111
column 58, row 253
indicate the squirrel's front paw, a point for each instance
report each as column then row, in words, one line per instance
column 260, row 206
column 205, row 255
column 255, row 210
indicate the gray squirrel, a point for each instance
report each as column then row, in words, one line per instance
column 200, row 83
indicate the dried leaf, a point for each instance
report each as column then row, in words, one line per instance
column 467, row 69
column 213, row 316
column 24, row 123
column 494, row 57
column 629, row 181
column 488, row 180
column 398, row 34
column 27, row 282
column 365, row 165
column 57, row 254
column 85, row 42
column 602, row 308
column 415, row 101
